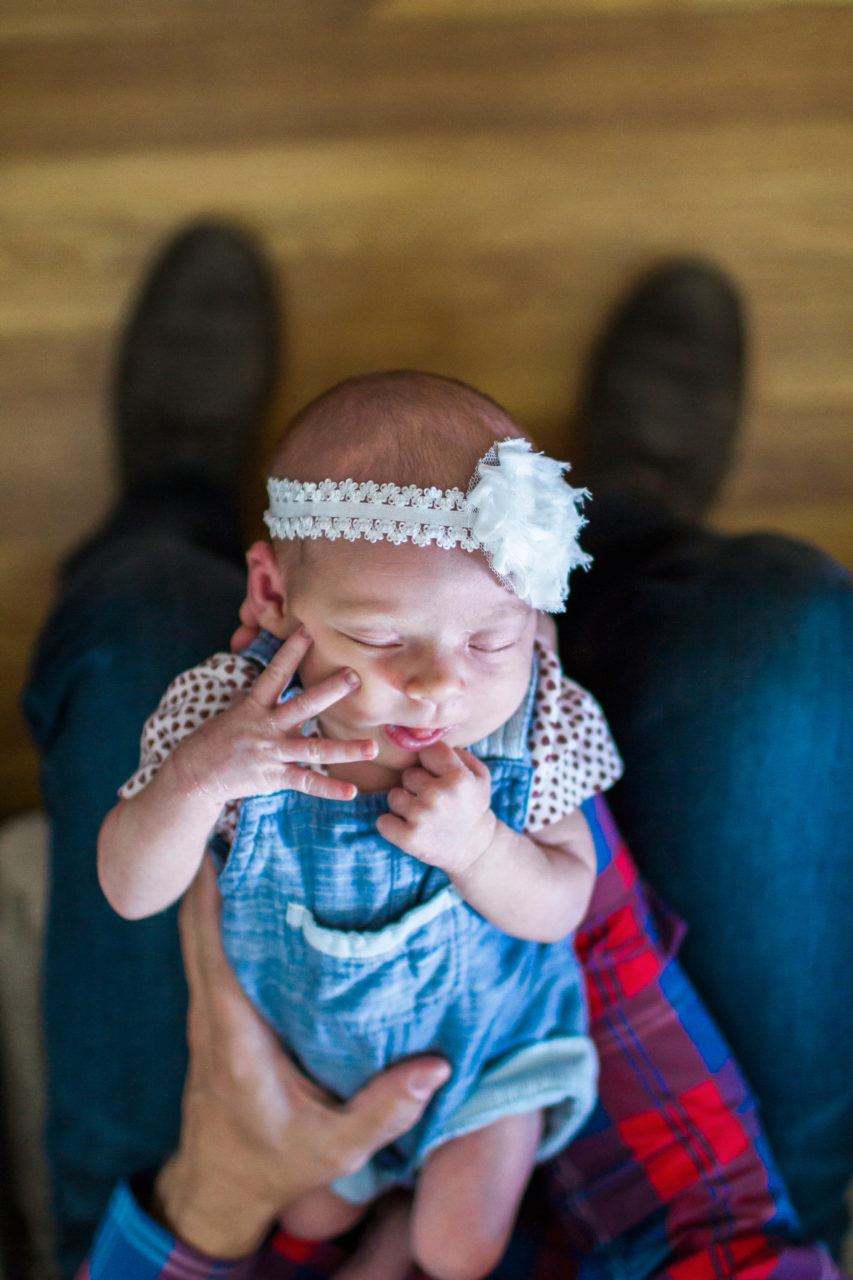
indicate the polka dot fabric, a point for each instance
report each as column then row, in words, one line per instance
column 574, row 756
column 192, row 697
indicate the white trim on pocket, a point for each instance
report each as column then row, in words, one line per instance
column 354, row 945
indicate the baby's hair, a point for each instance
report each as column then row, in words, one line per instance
column 400, row 427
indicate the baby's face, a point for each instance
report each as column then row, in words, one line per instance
column 443, row 651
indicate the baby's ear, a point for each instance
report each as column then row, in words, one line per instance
column 265, row 593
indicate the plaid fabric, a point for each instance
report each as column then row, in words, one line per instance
column 669, row 1179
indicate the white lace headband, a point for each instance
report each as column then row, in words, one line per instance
column 518, row 510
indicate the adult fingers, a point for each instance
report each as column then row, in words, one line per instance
column 248, row 614
column 242, row 638
column 249, row 627
column 198, row 921
column 224, row 1029
column 205, row 963
column 388, row 1106
column 546, row 632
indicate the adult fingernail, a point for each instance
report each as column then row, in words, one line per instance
column 423, row 1084
column 352, row 679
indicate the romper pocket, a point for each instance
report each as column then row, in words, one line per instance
column 376, row 978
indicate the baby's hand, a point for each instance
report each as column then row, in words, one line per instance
column 442, row 811
column 255, row 747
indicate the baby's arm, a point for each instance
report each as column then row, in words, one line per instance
column 534, row 886
column 151, row 844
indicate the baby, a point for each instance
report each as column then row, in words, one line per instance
column 392, row 779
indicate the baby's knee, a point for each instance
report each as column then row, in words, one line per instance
column 461, row 1254
column 320, row 1215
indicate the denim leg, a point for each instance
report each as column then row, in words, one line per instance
column 725, row 666
column 136, row 609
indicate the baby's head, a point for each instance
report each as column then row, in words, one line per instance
column 441, row 642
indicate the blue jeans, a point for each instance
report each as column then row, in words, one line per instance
column 725, row 669
column 152, row 596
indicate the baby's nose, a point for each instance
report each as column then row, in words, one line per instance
column 435, row 679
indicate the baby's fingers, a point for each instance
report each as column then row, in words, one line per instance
column 275, row 678
column 474, row 763
column 330, row 750
column 317, row 784
column 393, row 829
column 311, row 702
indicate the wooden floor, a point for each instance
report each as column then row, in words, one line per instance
column 460, row 185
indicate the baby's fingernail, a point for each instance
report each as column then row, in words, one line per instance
column 423, row 1084
column 352, row 679
column 369, row 749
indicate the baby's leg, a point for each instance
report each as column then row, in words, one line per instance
column 385, row 1249
column 321, row 1215
column 468, row 1195
column 384, row 1252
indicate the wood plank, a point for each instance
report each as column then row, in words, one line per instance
column 60, row 20
column 76, row 229
column 54, row 19
column 26, row 587
column 219, row 86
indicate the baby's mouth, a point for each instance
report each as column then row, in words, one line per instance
column 414, row 739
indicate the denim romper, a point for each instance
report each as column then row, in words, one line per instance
column 360, row 955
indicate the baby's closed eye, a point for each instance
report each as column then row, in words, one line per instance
column 373, row 642
column 494, row 642
column 492, row 647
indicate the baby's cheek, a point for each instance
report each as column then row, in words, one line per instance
column 376, row 691
column 496, row 700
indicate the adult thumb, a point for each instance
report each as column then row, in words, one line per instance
column 391, row 1103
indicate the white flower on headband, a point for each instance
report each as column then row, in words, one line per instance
column 518, row 510
column 527, row 520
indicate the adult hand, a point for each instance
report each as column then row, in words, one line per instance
column 546, row 631
column 248, row 629
column 256, row 1133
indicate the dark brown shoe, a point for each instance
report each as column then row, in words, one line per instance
column 660, row 415
column 198, row 361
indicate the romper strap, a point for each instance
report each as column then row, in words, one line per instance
column 263, row 648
